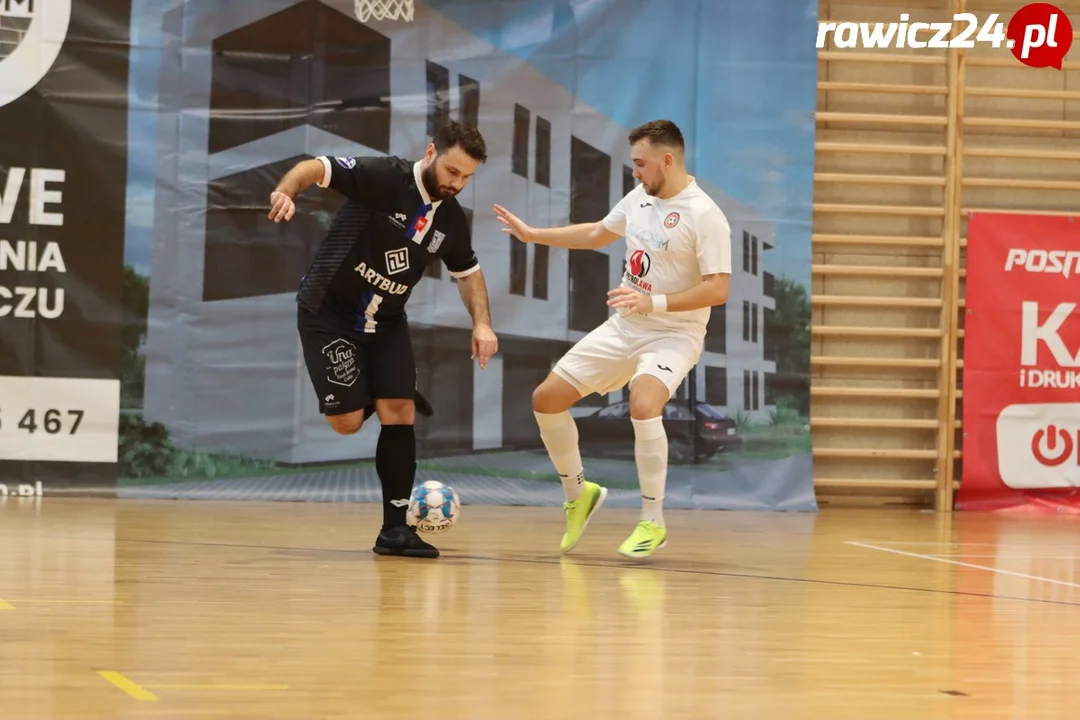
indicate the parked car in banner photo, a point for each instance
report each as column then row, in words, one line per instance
column 608, row 431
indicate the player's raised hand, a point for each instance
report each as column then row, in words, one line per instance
column 282, row 207
column 514, row 225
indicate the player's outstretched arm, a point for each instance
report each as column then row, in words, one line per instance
column 575, row 237
column 473, row 290
column 302, row 176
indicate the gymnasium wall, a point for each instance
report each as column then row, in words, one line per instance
column 911, row 144
column 178, row 328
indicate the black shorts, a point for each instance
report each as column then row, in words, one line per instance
column 350, row 369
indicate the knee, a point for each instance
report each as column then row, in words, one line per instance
column 554, row 395
column 648, row 397
column 396, row 412
column 348, row 424
column 541, row 400
column 548, row 401
column 644, row 409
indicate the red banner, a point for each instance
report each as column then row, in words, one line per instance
column 1022, row 365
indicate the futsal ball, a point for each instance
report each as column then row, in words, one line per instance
column 433, row 507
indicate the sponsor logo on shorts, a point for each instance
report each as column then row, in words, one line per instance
column 342, row 368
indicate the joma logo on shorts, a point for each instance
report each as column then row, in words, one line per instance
column 379, row 281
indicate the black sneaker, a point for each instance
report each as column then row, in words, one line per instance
column 403, row 540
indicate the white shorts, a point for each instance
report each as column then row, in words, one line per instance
column 616, row 352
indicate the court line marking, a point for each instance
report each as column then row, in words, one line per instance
column 40, row 601
column 772, row 578
column 216, row 686
column 448, row 558
column 1011, row 557
column 935, row 558
column 129, row 686
column 9, row 604
column 964, row 543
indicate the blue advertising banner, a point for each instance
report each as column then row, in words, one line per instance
column 226, row 97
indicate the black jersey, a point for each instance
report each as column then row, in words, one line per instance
column 380, row 241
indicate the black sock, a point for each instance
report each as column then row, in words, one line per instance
column 395, row 462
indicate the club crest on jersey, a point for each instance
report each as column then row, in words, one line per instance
column 347, row 163
column 436, row 241
column 637, row 267
column 671, row 220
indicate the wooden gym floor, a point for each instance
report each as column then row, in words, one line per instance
column 179, row 609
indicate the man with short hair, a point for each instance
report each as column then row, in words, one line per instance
column 398, row 217
column 677, row 267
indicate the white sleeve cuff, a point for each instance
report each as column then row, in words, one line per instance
column 466, row 273
column 719, row 270
column 325, row 182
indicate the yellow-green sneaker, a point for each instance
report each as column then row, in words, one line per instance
column 578, row 513
column 647, row 538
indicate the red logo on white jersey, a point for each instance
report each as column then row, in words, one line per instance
column 671, row 220
column 640, row 262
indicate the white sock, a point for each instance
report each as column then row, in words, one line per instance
column 651, row 454
column 560, row 436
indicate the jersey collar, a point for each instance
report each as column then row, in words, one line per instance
column 417, row 168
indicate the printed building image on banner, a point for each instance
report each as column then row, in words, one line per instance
column 63, row 110
column 225, row 406
column 1021, row 446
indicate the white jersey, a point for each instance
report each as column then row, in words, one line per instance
column 670, row 245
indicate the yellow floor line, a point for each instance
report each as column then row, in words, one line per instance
column 226, row 686
column 131, row 688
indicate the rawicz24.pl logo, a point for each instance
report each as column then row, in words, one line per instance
column 1038, row 34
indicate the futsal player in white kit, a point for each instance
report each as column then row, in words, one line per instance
column 677, row 267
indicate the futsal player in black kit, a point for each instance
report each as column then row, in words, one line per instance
column 398, row 217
